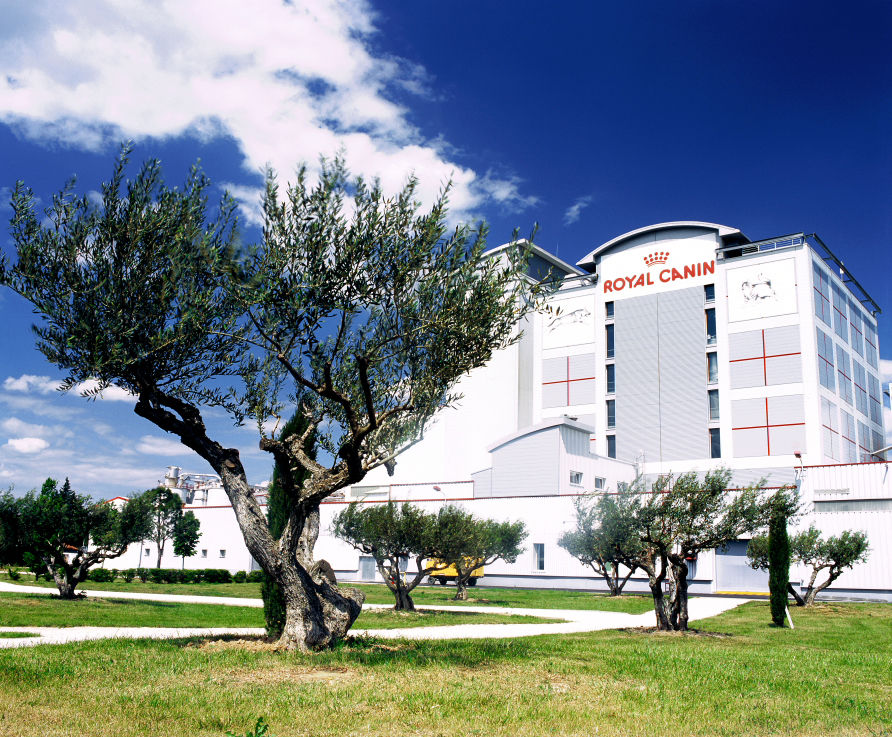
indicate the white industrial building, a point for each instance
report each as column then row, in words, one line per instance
column 677, row 347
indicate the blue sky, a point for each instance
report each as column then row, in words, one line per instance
column 591, row 119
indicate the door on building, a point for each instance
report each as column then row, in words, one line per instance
column 366, row 568
column 732, row 571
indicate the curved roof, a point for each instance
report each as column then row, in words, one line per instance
column 723, row 231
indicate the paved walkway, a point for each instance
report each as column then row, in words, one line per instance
column 576, row 620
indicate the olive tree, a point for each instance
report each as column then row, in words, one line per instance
column 468, row 543
column 359, row 307
column 833, row 554
column 392, row 533
column 677, row 519
column 605, row 538
column 66, row 533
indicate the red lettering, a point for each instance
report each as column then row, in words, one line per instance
column 689, row 271
column 708, row 267
column 676, row 274
column 639, row 282
column 664, row 275
column 649, row 280
column 619, row 284
column 608, row 286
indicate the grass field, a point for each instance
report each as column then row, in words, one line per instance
column 379, row 594
column 35, row 610
column 829, row 676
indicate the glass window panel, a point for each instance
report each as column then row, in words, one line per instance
column 712, row 368
column 710, row 326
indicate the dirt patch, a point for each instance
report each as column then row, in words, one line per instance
column 664, row 633
column 258, row 643
column 284, row 675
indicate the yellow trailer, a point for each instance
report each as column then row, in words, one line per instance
column 447, row 575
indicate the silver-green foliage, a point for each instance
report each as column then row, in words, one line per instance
column 363, row 308
column 833, row 554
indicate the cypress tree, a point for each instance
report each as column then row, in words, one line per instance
column 778, row 561
column 277, row 508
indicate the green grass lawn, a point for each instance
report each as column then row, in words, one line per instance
column 829, row 676
column 35, row 610
column 17, row 634
column 379, row 594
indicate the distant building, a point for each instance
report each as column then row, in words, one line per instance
column 676, row 347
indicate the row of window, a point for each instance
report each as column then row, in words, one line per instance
column 845, row 440
column 147, row 552
column 844, row 317
column 855, row 386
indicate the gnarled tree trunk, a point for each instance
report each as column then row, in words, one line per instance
column 318, row 613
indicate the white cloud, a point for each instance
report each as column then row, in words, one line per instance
column 886, row 370
column 30, row 383
column 575, row 210
column 159, row 446
column 27, row 445
column 109, row 394
column 285, row 82
column 15, row 426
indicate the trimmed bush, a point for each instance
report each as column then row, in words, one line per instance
column 239, row 577
column 128, row 574
column 142, row 574
column 101, row 575
column 254, row 577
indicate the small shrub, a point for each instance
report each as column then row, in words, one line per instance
column 191, row 576
column 142, row 574
column 100, row 575
column 14, row 575
column 128, row 574
column 239, row 577
column 255, row 577
column 216, row 575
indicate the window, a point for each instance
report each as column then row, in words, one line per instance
column 222, row 553
column 611, row 413
column 830, row 429
column 715, row 443
column 860, row 388
column 600, row 484
column 611, row 378
column 204, row 553
column 825, row 361
column 712, row 368
column 709, row 292
column 611, row 446
column 843, row 374
column 576, row 478
column 710, row 326
column 870, row 343
column 539, row 555
column 849, row 441
column 856, row 333
column 609, row 341
column 148, row 552
column 713, row 395
column 840, row 323
column 822, row 295
column 608, row 308
column 876, row 401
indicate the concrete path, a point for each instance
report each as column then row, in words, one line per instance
column 576, row 620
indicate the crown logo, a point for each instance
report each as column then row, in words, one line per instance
column 657, row 257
